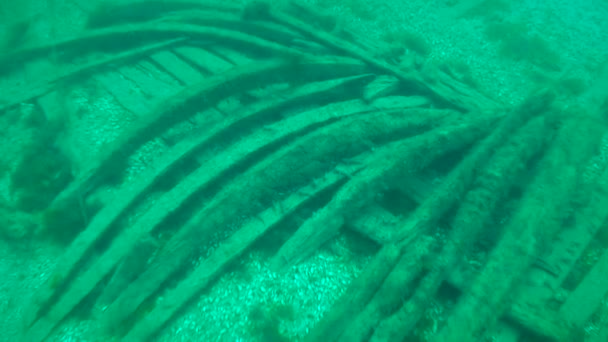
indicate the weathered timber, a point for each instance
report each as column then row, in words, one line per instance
column 177, row 67
column 388, row 165
column 153, row 83
column 489, row 189
column 203, row 60
column 566, row 249
column 536, row 221
column 218, row 166
column 425, row 218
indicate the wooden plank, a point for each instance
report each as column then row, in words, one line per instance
column 521, row 316
column 81, row 72
column 155, row 72
column 126, row 93
column 588, row 295
column 375, row 223
column 230, row 55
column 153, row 83
column 177, row 67
column 549, row 272
column 234, row 58
column 204, row 59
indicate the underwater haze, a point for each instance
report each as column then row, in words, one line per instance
column 303, row 170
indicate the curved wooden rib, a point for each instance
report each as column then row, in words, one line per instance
column 107, row 218
column 270, row 173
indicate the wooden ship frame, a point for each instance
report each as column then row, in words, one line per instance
column 281, row 123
